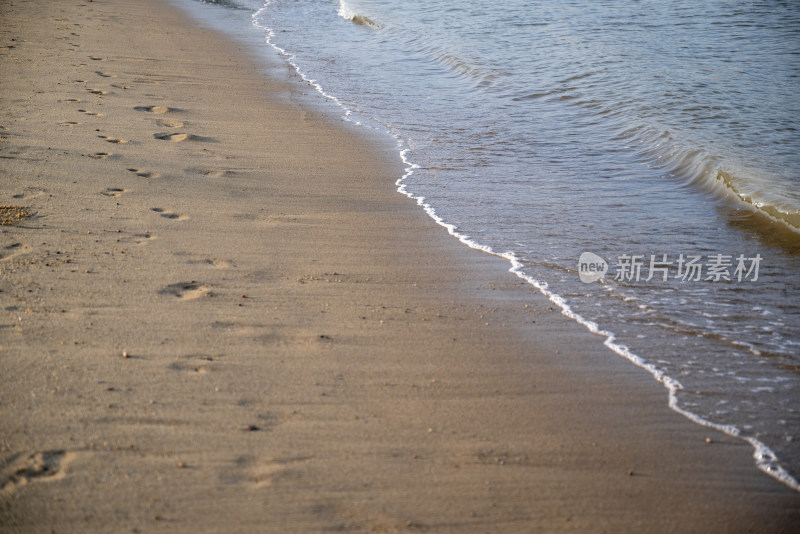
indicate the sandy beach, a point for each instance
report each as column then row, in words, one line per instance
column 218, row 315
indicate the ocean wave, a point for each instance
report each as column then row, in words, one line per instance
column 348, row 14
column 789, row 218
column 718, row 174
column 712, row 173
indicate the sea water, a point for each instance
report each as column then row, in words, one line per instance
column 656, row 140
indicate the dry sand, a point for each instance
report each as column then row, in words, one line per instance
column 220, row 317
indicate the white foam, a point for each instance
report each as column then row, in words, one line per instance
column 347, row 13
column 290, row 59
column 764, row 457
column 344, row 11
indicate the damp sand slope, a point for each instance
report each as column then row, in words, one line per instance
column 217, row 315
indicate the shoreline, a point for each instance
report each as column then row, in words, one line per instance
column 764, row 456
column 221, row 313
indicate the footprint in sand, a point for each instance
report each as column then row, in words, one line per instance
column 97, row 91
column 174, row 137
column 90, row 113
column 105, row 74
column 194, row 370
column 180, row 136
column 145, row 174
column 68, row 123
column 72, row 100
column 186, row 290
column 215, row 263
column 22, row 469
column 196, row 365
column 155, row 109
column 114, row 140
column 170, row 214
column 120, row 86
column 96, row 58
column 217, row 173
column 113, row 192
column 143, row 239
column 30, row 192
column 99, row 155
column 169, row 123
column 15, row 249
column 264, row 472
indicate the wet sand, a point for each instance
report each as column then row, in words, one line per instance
column 220, row 316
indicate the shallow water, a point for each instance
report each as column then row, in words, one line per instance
column 661, row 132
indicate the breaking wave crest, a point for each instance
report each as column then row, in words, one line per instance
column 348, row 14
